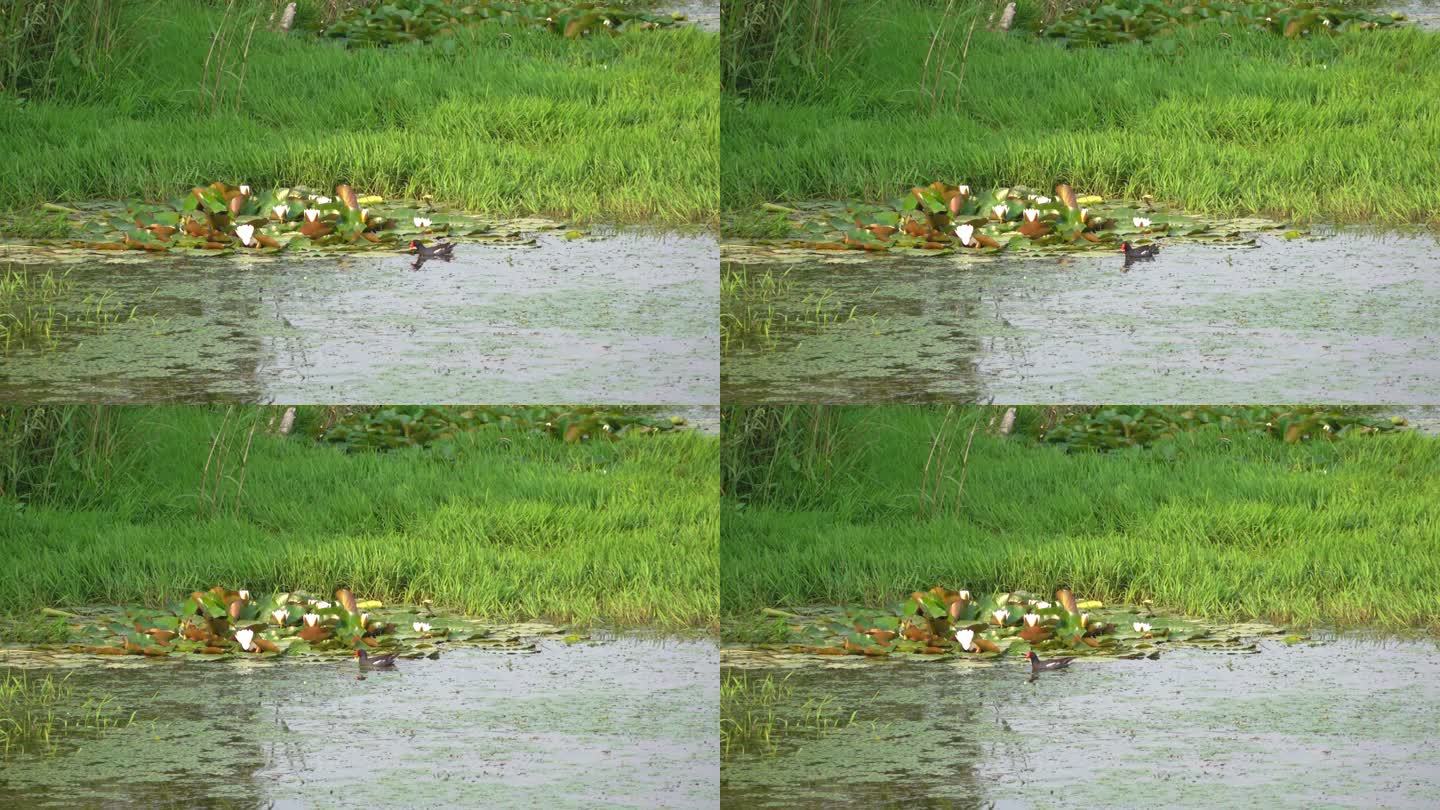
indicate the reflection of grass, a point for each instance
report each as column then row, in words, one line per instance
column 1235, row 109
column 1220, row 523
column 497, row 524
column 756, row 309
column 755, row 714
column 36, row 714
column 33, row 311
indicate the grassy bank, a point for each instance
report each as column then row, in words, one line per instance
column 504, row 120
column 1222, row 121
column 506, row 526
column 1222, row 526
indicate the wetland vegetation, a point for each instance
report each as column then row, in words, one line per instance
column 572, row 515
column 1217, row 109
column 1291, row 515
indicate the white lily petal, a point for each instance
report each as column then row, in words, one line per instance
column 245, row 232
column 312, row 214
column 1032, row 214
column 279, row 615
column 1042, row 605
column 1141, row 222
column 965, row 594
column 1000, row 210
column 322, row 200
column 965, row 232
column 1000, row 616
column 312, row 619
column 965, row 190
column 245, row 637
column 244, row 594
column 1032, row 619
column 280, row 211
column 1042, row 200
column 322, row 605
column 421, row 627
column 965, row 637
column 244, row 189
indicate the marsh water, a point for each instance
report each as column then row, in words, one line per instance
column 618, row 317
column 1344, row 723
column 1347, row 317
column 624, row 721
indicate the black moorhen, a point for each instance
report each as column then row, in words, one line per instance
column 386, row 661
column 1037, row 666
column 1133, row 252
column 440, row 250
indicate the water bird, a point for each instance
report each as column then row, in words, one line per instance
column 1037, row 666
column 1141, row 252
column 386, row 661
column 440, row 250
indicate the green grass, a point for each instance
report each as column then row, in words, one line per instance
column 38, row 713
column 511, row 122
column 756, row 714
column 1222, row 527
column 1221, row 122
column 507, row 526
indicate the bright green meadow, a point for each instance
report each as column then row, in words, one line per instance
column 862, row 506
column 1330, row 124
column 142, row 506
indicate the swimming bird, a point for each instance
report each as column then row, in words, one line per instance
column 1037, row 666
column 386, row 661
column 1132, row 252
column 440, row 250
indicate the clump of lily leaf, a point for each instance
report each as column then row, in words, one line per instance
column 1117, row 427
column 222, row 622
column 392, row 428
column 941, row 622
column 401, row 21
column 944, row 218
column 1118, row 21
column 221, row 217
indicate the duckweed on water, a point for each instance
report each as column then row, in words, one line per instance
column 37, row 714
column 221, row 623
column 1116, row 427
column 37, row 310
column 756, row 309
column 423, row 426
column 941, row 218
column 942, row 622
column 400, row 21
column 1117, row 21
column 756, row 714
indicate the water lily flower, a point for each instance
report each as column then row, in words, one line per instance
column 246, row 233
column 244, row 594
column 1032, row 619
column 1032, row 214
column 1042, row 200
column 364, row 214
column 245, row 637
column 965, row 232
column 1000, row 616
column 322, row 605
column 1000, row 210
column 364, row 619
column 422, row 222
column 965, row 637
column 280, row 211
column 1084, row 213
column 1084, row 619
column 1141, row 222
column 1141, row 627
column 312, row 619
column 244, row 189
column 279, row 615
column 421, row 627
column 322, row 200
column 1042, row 605
column 965, row 595
column 312, row 214
column 965, row 191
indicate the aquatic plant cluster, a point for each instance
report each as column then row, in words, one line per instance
column 942, row 622
column 941, row 218
column 221, row 622
column 221, row 217
column 755, row 309
column 1120, row 426
column 37, row 713
column 1117, row 21
column 392, row 428
column 757, row 713
column 400, row 21
column 35, row 310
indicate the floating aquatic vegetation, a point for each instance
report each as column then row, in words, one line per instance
column 421, row 425
column 220, row 218
column 1116, row 427
column 221, row 623
column 1117, row 21
column 942, row 622
column 941, row 218
column 401, row 21
column 36, row 310
column 37, row 713
column 756, row 309
column 757, row 713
